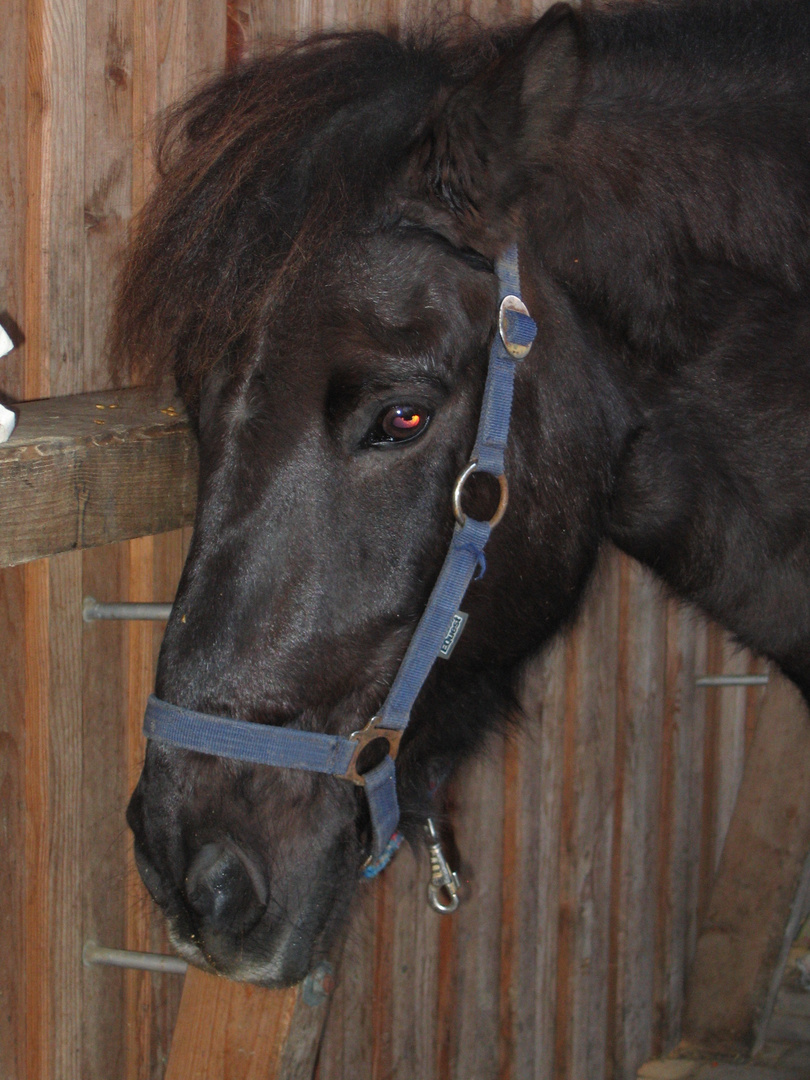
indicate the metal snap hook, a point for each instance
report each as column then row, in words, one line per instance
column 442, row 878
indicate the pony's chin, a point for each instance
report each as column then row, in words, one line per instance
column 273, row 973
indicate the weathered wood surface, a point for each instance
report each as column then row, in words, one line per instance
column 93, row 469
column 77, row 100
column 240, row 1032
column 765, row 851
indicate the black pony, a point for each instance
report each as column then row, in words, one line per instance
column 316, row 268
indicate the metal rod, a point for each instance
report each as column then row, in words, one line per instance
column 732, row 680
column 126, row 958
column 92, row 610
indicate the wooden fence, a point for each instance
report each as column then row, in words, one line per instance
column 589, row 841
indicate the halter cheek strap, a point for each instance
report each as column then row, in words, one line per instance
column 435, row 635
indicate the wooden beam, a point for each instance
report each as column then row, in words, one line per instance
column 94, row 469
column 757, row 879
column 243, row 1032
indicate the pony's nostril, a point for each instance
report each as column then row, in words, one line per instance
column 225, row 889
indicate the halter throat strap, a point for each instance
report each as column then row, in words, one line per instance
column 435, row 635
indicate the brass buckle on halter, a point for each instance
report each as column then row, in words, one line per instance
column 464, row 475
column 372, row 732
column 517, row 350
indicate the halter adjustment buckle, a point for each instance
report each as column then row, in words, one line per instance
column 516, row 327
column 372, row 732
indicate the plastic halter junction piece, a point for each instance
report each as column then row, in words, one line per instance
column 435, row 634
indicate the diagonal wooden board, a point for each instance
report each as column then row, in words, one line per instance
column 233, row 1031
column 760, row 870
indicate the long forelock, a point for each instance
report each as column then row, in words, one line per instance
column 259, row 173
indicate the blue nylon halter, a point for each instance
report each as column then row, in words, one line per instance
column 435, row 633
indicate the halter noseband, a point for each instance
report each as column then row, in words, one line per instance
column 435, row 635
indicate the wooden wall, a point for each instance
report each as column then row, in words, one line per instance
column 588, row 842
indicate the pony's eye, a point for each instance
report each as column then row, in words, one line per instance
column 398, row 424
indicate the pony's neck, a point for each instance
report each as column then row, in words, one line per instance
column 679, row 182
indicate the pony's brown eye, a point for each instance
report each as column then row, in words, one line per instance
column 399, row 423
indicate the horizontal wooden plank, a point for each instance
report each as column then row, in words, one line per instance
column 94, row 469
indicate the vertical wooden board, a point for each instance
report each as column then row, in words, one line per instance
column 153, row 566
column 12, row 824
column 66, row 788
column 107, row 171
column 679, row 819
column 537, row 869
column 39, row 125
column 104, row 800
column 733, row 712
column 53, row 767
column 693, row 788
column 634, row 885
column 510, row 903
column 13, row 52
column 711, row 698
column 567, row 899
column 168, row 555
column 382, row 988
column 256, row 25
column 478, row 827
column 63, row 188
column 144, row 96
column 415, row 970
column 592, row 844
column 37, row 950
column 139, row 678
column 170, row 27
column 107, row 208
column 206, row 36
column 347, row 1044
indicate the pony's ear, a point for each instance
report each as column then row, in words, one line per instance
column 477, row 153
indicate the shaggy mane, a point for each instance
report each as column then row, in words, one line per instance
column 258, row 172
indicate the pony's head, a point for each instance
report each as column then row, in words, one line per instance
column 316, row 268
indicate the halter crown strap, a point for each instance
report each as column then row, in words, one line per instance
column 435, row 634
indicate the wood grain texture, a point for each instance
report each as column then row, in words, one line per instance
column 415, row 955
column 13, row 210
column 13, row 866
column 104, row 801
column 593, row 826
column 107, row 173
column 348, row 1038
column 479, row 834
column 231, row 1030
column 93, row 469
column 540, row 781
column 640, row 714
column 38, row 817
column 760, row 868
column 678, row 821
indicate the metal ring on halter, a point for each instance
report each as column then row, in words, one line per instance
column 369, row 734
column 466, row 473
